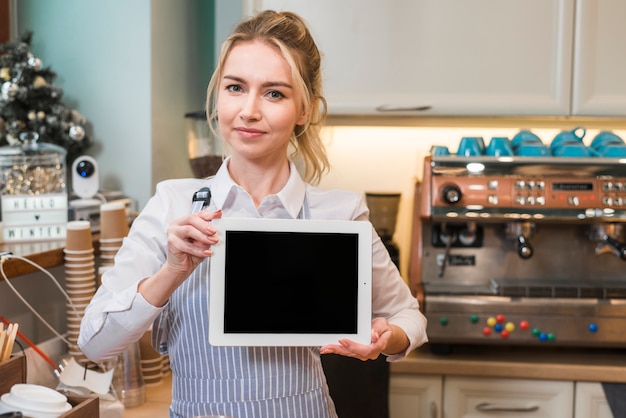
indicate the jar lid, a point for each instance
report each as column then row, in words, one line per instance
column 29, row 147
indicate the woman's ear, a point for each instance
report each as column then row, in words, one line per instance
column 303, row 118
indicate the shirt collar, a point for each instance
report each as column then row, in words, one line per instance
column 291, row 196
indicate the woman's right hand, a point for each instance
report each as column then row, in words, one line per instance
column 189, row 241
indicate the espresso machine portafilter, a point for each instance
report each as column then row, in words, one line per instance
column 609, row 237
column 521, row 233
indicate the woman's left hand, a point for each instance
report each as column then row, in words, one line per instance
column 381, row 335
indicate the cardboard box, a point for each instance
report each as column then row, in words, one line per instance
column 13, row 371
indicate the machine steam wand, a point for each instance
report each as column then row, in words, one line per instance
column 448, row 237
column 521, row 232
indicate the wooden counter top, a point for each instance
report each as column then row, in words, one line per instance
column 591, row 365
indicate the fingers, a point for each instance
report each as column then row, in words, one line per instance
column 380, row 335
column 195, row 229
column 190, row 239
column 350, row 348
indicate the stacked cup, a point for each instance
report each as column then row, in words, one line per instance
column 113, row 229
column 80, row 280
column 151, row 361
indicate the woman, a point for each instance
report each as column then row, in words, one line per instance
column 266, row 91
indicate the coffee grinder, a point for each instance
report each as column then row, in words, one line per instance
column 383, row 215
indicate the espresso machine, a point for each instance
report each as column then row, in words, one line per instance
column 521, row 250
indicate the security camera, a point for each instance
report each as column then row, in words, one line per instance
column 85, row 177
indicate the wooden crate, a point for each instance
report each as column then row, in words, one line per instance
column 83, row 407
column 13, row 371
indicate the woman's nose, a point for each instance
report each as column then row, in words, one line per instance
column 250, row 109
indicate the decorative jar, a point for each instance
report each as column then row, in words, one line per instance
column 33, row 190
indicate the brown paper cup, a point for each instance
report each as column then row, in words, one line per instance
column 148, row 353
column 78, row 236
column 113, row 221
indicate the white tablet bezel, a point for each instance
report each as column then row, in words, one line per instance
column 363, row 230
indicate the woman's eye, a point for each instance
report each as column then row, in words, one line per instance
column 275, row 94
column 234, row 88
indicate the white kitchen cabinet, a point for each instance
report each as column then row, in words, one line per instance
column 468, row 57
column 466, row 397
column 459, row 57
column 591, row 401
column 413, row 396
column 600, row 58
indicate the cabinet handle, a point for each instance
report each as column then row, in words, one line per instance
column 393, row 108
column 485, row 406
column 433, row 410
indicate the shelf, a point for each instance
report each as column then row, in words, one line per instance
column 45, row 253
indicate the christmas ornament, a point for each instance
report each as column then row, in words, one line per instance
column 77, row 133
column 39, row 82
column 35, row 63
column 8, row 91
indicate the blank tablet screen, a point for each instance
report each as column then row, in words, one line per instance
column 294, row 282
column 290, row 282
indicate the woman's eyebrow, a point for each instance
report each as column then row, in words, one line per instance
column 266, row 84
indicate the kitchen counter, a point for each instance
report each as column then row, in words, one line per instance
column 588, row 365
column 591, row 365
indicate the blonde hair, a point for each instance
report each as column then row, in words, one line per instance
column 289, row 34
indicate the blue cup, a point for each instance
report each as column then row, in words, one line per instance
column 471, row 146
column 605, row 138
column 612, row 151
column 532, row 150
column 524, row 137
column 499, row 147
column 573, row 150
column 438, row 150
column 572, row 137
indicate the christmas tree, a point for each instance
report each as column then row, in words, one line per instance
column 30, row 102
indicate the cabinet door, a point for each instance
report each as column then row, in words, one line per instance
column 456, row 57
column 591, row 401
column 412, row 396
column 600, row 58
column 469, row 397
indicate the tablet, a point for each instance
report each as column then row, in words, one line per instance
column 290, row 282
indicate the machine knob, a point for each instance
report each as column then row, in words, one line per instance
column 451, row 194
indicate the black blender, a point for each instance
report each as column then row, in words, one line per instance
column 383, row 216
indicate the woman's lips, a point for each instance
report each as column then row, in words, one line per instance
column 249, row 132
